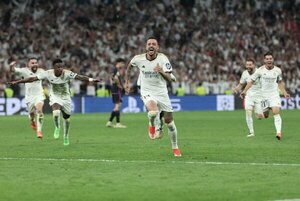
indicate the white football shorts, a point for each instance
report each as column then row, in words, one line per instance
column 254, row 102
column 65, row 103
column 163, row 101
column 31, row 102
column 272, row 101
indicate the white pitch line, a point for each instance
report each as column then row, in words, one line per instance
column 127, row 161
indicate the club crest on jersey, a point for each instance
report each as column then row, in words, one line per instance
column 168, row 66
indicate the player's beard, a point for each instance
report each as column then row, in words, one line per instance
column 34, row 68
column 250, row 71
column 269, row 65
column 58, row 73
column 151, row 52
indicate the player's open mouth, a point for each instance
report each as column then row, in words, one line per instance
column 151, row 50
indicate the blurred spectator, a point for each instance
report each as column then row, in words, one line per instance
column 180, row 91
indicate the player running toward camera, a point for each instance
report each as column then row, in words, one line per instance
column 155, row 70
column 271, row 79
column 60, row 98
column 34, row 93
column 253, row 96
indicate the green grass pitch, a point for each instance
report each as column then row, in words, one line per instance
column 219, row 162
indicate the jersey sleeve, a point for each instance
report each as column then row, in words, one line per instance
column 166, row 65
column 133, row 62
column 69, row 74
column 243, row 79
column 256, row 75
column 138, row 82
column 279, row 77
column 18, row 70
column 42, row 75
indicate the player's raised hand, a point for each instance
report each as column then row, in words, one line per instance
column 13, row 64
column 157, row 68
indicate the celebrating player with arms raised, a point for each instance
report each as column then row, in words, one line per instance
column 60, row 97
column 34, row 93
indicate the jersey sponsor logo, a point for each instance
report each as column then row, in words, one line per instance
column 269, row 79
column 150, row 74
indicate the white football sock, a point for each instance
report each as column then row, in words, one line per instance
column 151, row 117
column 40, row 121
column 66, row 127
column 172, row 130
column 249, row 121
column 277, row 123
column 56, row 118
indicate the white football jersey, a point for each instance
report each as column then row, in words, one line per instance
column 269, row 80
column 32, row 89
column 255, row 90
column 59, row 86
column 150, row 81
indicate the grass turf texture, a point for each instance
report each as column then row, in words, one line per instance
column 219, row 162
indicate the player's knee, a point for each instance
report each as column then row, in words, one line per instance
column 56, row 113
column 266, row 114
column 249, row 112
column 152, row 114
column 168, row 119
column 260, row 115
column 65, row 115
column 39, row 112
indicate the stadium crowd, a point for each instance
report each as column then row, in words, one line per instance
column 207, row 41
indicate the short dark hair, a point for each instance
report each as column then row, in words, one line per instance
column 268, row 53
column 153, row 37
column 30, row 58
column 56, row 61
column 120, row 60
column 250, row 59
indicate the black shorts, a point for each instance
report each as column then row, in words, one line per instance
column 117, row 98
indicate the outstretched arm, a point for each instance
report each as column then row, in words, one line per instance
column 85, row 78
column 26, row 80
